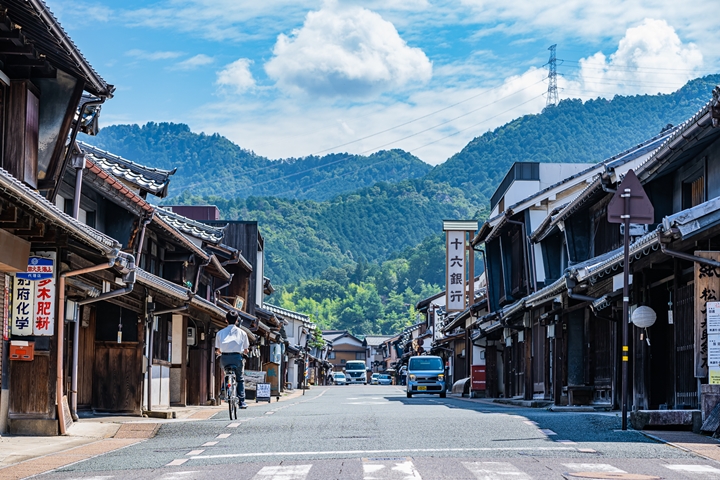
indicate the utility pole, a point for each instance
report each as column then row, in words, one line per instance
column 552, row 93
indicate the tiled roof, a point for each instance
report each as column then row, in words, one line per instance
column 197, row 229
column 114, row 183
column 41, row 207
column 286, row 313
column 153, row 180
column 50, row 39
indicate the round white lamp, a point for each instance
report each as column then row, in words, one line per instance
column 644, row 317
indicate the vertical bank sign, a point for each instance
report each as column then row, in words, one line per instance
column 33, row 303
column 455, row 282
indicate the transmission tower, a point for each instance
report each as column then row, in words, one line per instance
column 552, row 93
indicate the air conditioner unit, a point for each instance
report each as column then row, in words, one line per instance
column 191, row 336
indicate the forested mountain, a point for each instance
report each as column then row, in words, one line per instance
column 573, row 131
column 213, row 165
column 373, row 224
column 357, row 241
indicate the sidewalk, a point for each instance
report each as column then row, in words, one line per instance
column 92, row 435
column 696, row 443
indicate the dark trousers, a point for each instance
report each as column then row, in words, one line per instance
column 237, row 361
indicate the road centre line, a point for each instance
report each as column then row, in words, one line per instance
column 194, row 453
column 177, row 462
column 209, row 444
column 400, row 450
column 233, row 425
column 223, row 435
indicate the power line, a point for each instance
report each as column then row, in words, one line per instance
column 386, row 144
column 485, row 92
column 626, row 67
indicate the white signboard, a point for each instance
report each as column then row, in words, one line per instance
column 263, row 391
column 34, row 299
column 713, row 318
column 713, row 342
column 455, row 281
column 23, row 304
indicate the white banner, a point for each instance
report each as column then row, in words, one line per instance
column 455, row 268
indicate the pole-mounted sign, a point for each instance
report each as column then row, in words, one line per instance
column 458, row 266
column 630, row 204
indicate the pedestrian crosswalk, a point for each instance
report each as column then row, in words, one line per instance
column 403, row 468
column 429, row 468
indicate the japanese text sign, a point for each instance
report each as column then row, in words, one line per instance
column 707, row 289
column 33, row 304
column 455, row 281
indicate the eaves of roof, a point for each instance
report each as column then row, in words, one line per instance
column 153, row 180
column 177, row 234
column 546, row 228
column 119, row 187
column 51, row 40
column 283, row 312
column 202, row 231
column 686, row 133
column 40, row 206
column 218, row 270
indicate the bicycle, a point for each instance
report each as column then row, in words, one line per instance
column 231, row 391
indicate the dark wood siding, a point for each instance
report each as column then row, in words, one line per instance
column 117, row 379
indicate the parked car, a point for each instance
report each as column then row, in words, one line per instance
column 374, row 379
column 426, row 374
column 384, row 379
column 339, row 378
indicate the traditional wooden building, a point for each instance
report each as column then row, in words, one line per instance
column 50, row 93
column 561, row 339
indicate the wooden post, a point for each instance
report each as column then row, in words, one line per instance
column 528, row 374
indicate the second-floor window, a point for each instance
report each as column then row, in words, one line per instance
column 693, row 191
column 359, row 355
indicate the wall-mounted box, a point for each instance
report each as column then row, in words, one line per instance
column 20, row 350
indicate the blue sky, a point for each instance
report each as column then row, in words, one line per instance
column 292, row 77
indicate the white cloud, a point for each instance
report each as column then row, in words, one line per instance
column 192, row 63
column 236, row 76
column 144, row 55
column 429, row 129
column 650, row 58
column 348, row 51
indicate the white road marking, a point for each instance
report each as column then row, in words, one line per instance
column 209, row 444
column 495, row 471
column 696, row 469
column 178, row 475
column 179, row 461
column 194, row 453
column 547, row 432
column 287, row 472
column 567, row 442
column 380, row 452
column 593, row 467
column 233, row 425
column 223, row 435
column 389, row 469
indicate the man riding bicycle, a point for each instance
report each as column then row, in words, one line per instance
column 231, row 343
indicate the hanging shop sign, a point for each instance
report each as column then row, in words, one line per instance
column 707, row 290
column 33, row 299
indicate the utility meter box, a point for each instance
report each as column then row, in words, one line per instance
column 191, row 336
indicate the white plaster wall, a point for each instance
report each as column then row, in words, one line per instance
column 520, row 190
column 552, row 173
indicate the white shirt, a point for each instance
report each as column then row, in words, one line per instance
column 232, row 339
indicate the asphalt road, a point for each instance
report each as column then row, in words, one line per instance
column 375, row 432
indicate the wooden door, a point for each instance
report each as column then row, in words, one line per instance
column 86, row 357
column 686, row 389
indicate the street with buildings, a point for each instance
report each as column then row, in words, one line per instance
column 375, row 432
